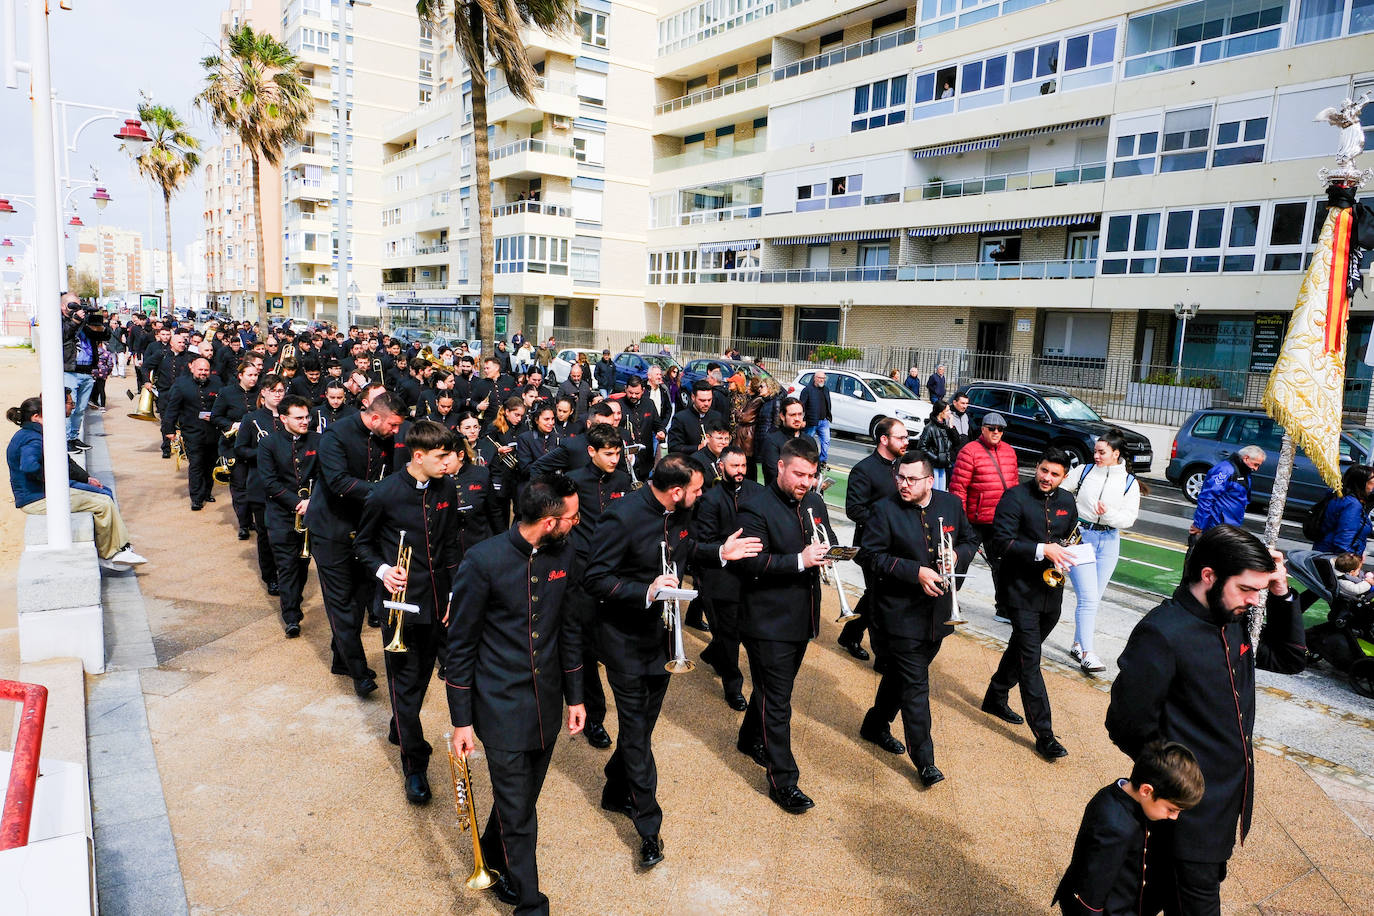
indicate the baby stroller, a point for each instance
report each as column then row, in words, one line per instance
column 1346, row 640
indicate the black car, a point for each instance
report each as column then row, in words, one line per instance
column 1039, row 416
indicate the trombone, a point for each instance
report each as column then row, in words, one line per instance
column 481, row 877
column 397, row 605
column 672, row 620
column 832, row 576
column 1054, row 576
column 304, row 532
column 946, row 563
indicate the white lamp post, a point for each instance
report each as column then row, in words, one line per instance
column 1183, row 313
column 661, row 304
column 845, row 306
column 102, row 200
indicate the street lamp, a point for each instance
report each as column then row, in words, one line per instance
column 1183, row 313
column 6, row 209
column 845, row 306
column 661, row 304
column 134, row 139
column 102, row 200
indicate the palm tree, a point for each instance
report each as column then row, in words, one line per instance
column 169, row 162
column 485, row 28
column 254, row 89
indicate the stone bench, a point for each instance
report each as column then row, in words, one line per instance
column 59, row 604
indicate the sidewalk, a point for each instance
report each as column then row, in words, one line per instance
column 285, row 797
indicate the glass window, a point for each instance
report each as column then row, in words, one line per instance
column 1118, row 233
column 1289, row 221
column 1147, row 232
column 1209, row 223
column 1208, row 426
column 1179, row 229
column 1244, row 226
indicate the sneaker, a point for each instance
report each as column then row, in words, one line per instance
column 1091, row 663
column 1000, row 619
column 128, row 556
column 1076, row 653
column 112, row 566
column 76, row 445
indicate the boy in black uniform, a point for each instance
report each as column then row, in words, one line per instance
column 513, row 661
column 287, row 465
column 793, row 417
column 189, row 406
column 256, row 426
column 1033, row 521
column 416, row 508
column 909, row 600
column 599, row 484
column 717, row 433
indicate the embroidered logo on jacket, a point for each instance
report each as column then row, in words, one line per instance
column 310, row 454
column 1059, row 512
column 558, row 574
column 616, row 494
column 474, row 486
column 438, row 506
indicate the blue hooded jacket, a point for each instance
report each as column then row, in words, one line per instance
column 1224, row 495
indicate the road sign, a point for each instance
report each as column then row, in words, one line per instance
column 150, row 303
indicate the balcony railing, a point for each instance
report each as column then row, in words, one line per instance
column 531, row 206
column 709, row 154
column 416, row 284
column 718, row 215
column 532, row 145
column 831, row 275
column 847, row 53
column 541, row 84
column 397, row 157
column 1011, row 181
column 743, row 84
column 711, row 29
column 440, row 248
column 1063, row 269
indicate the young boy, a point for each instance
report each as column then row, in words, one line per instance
column 1107, row 874
column 1351, row 583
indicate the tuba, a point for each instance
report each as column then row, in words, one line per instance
column 144, row 411
column 1054, row 576
column 831, row 576
column 481, row 877
column 946, row 563
column 672, row 620
column 397, row 605
column 304, row 532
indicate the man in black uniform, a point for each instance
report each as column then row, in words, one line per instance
column 871, row 480
column 189, row 407
column 287, row 463
column 687, row 434
column 513, row 661
column 780, row 611
column 793, row 422
column 715, row 519
column 488, row 393
column 639, row 422
column 909, row 599
column 355, row 453
column 234, row 403
column 416, row 508
column 708, row 456
column 310, row 383
column 600, row 483
column 571, row 453
column 1033, row 521
column 163, row 366
column 624, row 574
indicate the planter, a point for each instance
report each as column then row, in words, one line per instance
column 1169, row 397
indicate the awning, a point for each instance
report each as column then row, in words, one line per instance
column 857, row 236
column 1052, row 128
column 745, row 245
column 947, row 148
column 1033, row 222
column 993, row 142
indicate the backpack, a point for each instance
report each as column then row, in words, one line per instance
column 1312, row 523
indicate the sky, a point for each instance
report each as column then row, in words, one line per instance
column 103, row 53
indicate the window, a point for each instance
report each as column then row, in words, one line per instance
column 839, row 191
column 1240, row 142
column 1129, row 234
column 1202, row 32
column 1208, row 426
column 426, row 94
column 1186, row 136
column 586, row 199
column 1286, row 230
column 591, row 80
column 426, row 66
column 879, row 104
column 1135, row 154
column 426, row 34
column 591, row 25
column 1033, row 70
column 875, row 254
column 586, row 265
column 1319, row 20
column 590, row 146
column 539, row 254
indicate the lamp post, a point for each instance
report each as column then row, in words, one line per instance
column 845, row 306
column 1183, row 313
column 661, row 304
column 102, row 200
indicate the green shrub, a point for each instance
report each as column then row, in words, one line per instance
column 835, row 354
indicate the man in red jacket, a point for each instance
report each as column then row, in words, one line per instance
column 984, row 470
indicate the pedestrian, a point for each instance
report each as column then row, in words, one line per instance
column 958, row 422
column 1345, row 523
column 935, row 385
column 980, row 476
column 937, row 442
column 104, row 366
column 604, row 374
column 119, row 346
column 815, row 400
column 1225, row 491
column 82, row 332
column 912, row 382
column 1108, row 497
column 673, row 382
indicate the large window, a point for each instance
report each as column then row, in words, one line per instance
column 538, row 254
column 839, row 191
column 591, row 25
column 1319, row 20
column 669, row 267
column 879, row 104
column 758, row 323
column 1191, row 138
column 1215, row 239
column 1202, row 32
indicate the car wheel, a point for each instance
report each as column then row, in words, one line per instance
column 873, row 426
column 1191, row 484
column 1077, row 456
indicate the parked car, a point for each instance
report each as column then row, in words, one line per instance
column 1039, row 416
column 563, row 361
column 1211, row 435
column 858, row 400
column 696, row 369
column 628, row 365
column 204, row 315
column 409, row 335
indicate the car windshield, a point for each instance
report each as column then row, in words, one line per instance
column 887, row 388
column 1065, row 407
column 662, row 362
column 1363, row 437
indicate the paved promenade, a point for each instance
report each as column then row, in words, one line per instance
column 284, row 796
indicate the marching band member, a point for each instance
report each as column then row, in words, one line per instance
column 641, row 425
column 717, row 433
column 793, row 417
column 566, row 424
column 287, row 464
column 571, row 453
column 537, row 442
column 498, row 448
column 335, row 406
column 687, row 434
column 189, row 405
column 234, row 402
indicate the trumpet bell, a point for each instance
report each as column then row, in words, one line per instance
column 681, row 665
column 144, row 411
column 221, row 474
column 1054, row 578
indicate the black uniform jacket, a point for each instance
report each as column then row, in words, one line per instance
column 164, row 367
column 872, row 479
column 639, row 421
column 1189, row 677
column 716, row 519
column 326, row 416
column 901, row 538
column 312, row 391
column 257, row 426
column 770, row 449
column 685, row 435
column 352, row 461
column 513, row 655
column 287, row 464
column 568, row 455
column 710, row 469
column 625, row 560
column 428, row 515
column 1107, row 873
column 597, row 491
column 190, row 406
column 779, row 600
column 1026, row 518
column 232, row 404
column 476, row 512
column 493, row 391
column 531, row 446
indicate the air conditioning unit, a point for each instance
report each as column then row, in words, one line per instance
column 561, row 122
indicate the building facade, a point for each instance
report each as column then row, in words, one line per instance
column 116, row 256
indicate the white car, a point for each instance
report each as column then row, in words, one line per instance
column 563, row 361
column 858, row 400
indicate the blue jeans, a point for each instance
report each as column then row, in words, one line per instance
column 941, row 474
column 81, row 394
column 1090, row 582
column 821, row 433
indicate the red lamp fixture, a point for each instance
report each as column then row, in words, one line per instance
column 6, row 208
column 6, row 244
column 101, row 197
column 75, row 221
column 135, row 139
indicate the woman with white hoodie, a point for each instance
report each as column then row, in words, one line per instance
column 1108, row 498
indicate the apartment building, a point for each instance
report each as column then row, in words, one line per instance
column 570, row 175
column 116, row 256
column 1020, row 177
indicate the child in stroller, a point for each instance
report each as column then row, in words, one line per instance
column 1346, row 639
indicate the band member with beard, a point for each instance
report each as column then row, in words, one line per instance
column 599, row 484
column 256, row 426
column 640, row 424
column 793, row 423
column 1188, row 675
column 625, row 574
column 190, row 405
column 234, row 402
column 335, row 406
column 355, row 454
column 287, row 463
column 513, row 661
column 716, row 518
column 910, row 600
column 416, row 508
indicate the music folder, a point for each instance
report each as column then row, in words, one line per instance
column 675, row 594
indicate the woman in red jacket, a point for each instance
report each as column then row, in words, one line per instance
column 984, row 470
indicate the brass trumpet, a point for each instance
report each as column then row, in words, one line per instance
column 672, row 620
column 481, row 877
column 397, row 605
column 506, row 458
column 178, row 449
column 304, row 532
column 947, row 561
column 1054, row 576
column 223, row 471
column 831, row 576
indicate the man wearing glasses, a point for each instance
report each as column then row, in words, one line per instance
column 984, row 470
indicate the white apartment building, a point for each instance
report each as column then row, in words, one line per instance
column 116, row 256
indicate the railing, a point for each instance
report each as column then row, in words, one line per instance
column 530, row 206
column 1011, row 181
column 709, row 154
column 719, row 215
column 18, row 810
column 1063, row 269
column 831, row 275
column 532, row 145
column 847, row 53
column 443, row 98
column 742, row 84
column 440, row 248
column 541, row 84
column 416, row 284
column 712, row 29
column 397, row 157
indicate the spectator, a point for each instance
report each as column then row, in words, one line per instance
column 751, row 426
column 675, row 389
column 82, row 333
column 104, row 366
column 1226, row 491
column 517, row 340
column 524, row 357
column 604, row 372
column 815, row 400
column 1351, row 582
column 577, row 389
column 958, row 422
column 912, row 382
column 935, row 385
column 119, row 347
column 1345, row 524
column 981, row 475
column 937, row 442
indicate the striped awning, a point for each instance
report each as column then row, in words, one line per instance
column 993, row 142
column 858, row 236
column 1032, row 222
column 1052, row 128
column 744, row 245
column 947, row 148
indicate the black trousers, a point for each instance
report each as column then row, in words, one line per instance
column 508, row 843
column 238, row 493
column 267, row 561
column 852, row 633
column 631, row 773
column 1195, row 889
column 723, row 652
column 1020, row 665
column 773, row 667
column 346, row 589
column 291, row 569
column 98, row 392
column 994, row 564
column 407, row 679
column 200, row 462
column 905, row 688
column 583, row 608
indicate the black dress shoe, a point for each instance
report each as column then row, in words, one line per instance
column 362, row 686
column 704, row 626
column 417, row 789
column 650, row 851
column 791, row 799
column 884, row 740
column 1048, row 746
column 504, row 891
column 596, row 735
column 292, row 629
column 243, row 534
column 372, row 621
column 273, row 589
column 1001, row 710
column 856, row 650
column 754, row 752
column 621, row 806
column 736, row 701
column 209, row 499
column 930, row 774
column 196, row 507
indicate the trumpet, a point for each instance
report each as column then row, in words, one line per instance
column 635, row 482
column 178, row 449
column 506, row 458
column 1054, row 576
column 831, row 576
column 304, row 532
column 222, row 472
column 481, row 877
column 672, row 620
column 397, row 605
column 946, row 563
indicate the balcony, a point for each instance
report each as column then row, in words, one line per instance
column 302, row 255
column 847, row 53
column 531, row 158
column 305, row 154
column 415, row 284
column 551, row 97
column 710, row 154
column 532, row 217
column 1063, row 269
column 1012, row 181
column 710, row 28
column 539, row 42
column 308, row 189
column 743, row 84
column 320, row 89
column 422, row 114
column 718, row 215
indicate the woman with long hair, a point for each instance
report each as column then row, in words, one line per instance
column 672, row 380
column 1345, row 525
column 498, row 442
column 1108, row 498
column 937, row 442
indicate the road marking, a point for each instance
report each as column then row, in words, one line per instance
column 1151, row 565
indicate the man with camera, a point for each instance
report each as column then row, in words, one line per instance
column 82, row 332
